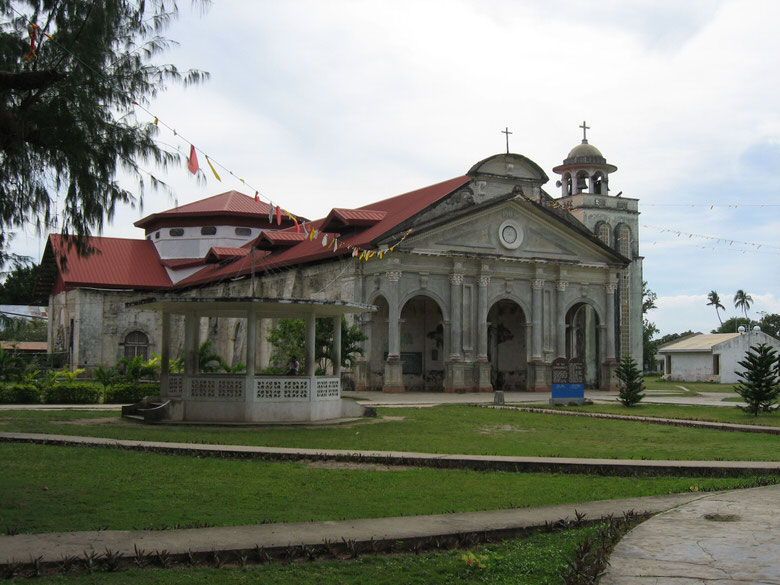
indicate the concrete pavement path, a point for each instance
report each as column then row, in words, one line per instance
column 727, row 538
column 53, row 547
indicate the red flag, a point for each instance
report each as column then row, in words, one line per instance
column 278, row 216
column 257, row 196
column 192, row 165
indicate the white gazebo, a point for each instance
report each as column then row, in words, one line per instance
column 249, row 397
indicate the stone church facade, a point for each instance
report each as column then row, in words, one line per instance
column 479, row 281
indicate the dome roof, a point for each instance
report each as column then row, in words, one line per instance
column 585, row 149
column 585, row 155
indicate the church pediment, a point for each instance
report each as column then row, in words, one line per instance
column 513, row 229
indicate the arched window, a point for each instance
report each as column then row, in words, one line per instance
column 602, row 232
column 623, row 240
column 137, row 343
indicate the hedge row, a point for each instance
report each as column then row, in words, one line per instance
column 76, row 393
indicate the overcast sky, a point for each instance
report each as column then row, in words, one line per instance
column 322, row 104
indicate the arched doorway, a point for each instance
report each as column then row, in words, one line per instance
column 507, row 352
column 582, row 340
column 422, row 345
column 377, row 347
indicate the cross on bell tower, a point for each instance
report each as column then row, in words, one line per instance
column 507, row 132
column 585, row 128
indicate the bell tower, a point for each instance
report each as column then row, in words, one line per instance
column 613, row 219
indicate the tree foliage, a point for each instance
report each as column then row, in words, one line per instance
column 288, row 339
column 18, row 288
column 759, row 386
column 731, row 325
column 21, row 329
column 649, row 329
column 67, row 122
column 743, row 300
column 631, row 382
column 714, row 299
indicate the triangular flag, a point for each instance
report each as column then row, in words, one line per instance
column 257, row 196
column 355, row 252
column 312, row 233
column 305, row 231
column 297, row 227
column 192, row 165
column 212, row 169
column 155, row 120
column 335, row 244
column 278, row 216
column 325, row 240
column 271, row 213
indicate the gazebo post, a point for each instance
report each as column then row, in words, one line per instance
column 311, row 322
column 165, row 353
column 251, row 343
column 337, row 347
column 190, row 350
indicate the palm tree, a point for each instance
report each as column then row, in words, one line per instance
column 714, row 299
column 742, row 300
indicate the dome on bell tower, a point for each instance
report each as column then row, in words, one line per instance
column 585, row 169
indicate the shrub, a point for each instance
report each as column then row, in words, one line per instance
column 631, row 382
column 129, row 392
column 72, row 393
column 759, row 386
column 19, row 393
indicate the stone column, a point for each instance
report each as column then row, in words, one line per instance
column 394, row 378
column 608, row 379
column 311, row 323
column 609, row 350
column 541, row 382
column 455, row 368
column 483, row 366
column 456, row 314
column 337, row 346
column 537, row 286
column 560, row 318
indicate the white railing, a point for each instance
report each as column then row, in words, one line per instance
column 232, row 388
column 217, row 387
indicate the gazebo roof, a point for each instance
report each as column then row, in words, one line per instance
column 261, row 306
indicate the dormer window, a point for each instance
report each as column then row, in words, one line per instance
column 209, row 230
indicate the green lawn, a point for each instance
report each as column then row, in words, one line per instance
column 681, row 411
column 52, row 489
column 441, row 429
column 538, row 559
column 673, row 387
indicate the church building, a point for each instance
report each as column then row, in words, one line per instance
column 480, row 281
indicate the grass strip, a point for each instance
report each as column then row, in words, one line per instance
column 57, row 489
column 442, row 429
column 716, row 414
column 537, row 559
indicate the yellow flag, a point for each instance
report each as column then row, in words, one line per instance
column 211, row 166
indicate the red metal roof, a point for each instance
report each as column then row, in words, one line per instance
column 177, row 263
column 228, row 204
column 116, row 263
column 24, row 345
column 396, row 211
column 218, row 254
column 339, row 218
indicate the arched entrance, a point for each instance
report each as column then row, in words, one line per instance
column 507, row 351
column 582, row 340
column 422, row 345
column 377, row 350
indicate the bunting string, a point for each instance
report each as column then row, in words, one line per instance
column 718, row 240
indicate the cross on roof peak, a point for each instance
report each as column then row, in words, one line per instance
column 507, row 132
column 585, row 128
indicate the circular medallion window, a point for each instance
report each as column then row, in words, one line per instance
column 511, row 234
